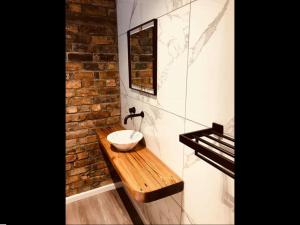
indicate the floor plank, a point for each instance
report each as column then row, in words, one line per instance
column 104, row 208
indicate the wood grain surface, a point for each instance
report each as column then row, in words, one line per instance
column 143, row 174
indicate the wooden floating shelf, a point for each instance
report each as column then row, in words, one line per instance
column 144, row 175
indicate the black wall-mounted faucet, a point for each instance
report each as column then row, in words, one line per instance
column 132, row 114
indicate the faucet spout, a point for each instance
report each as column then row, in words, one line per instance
column 141, row 114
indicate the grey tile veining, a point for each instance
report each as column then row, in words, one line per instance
column 134, row 12
column 134, row 5
column 208, row 195
column 211, row 63
column 205, row 36
column 172, row 62
column 192, row 40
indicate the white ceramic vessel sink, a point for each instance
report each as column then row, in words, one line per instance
column 125, row 140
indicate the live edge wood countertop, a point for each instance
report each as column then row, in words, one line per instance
column 144, row 175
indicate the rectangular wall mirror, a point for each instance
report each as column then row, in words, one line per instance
column 142, row 57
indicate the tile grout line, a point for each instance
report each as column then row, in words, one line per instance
column 166, row 111
column 185, row 103
column 163, row 15
column 184, row 118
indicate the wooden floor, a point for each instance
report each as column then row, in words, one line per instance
column 104, row 208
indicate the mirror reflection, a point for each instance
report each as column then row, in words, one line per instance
column 142, row 57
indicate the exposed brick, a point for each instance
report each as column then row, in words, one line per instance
column 87, row 83
column 106, row 99
column 72, row 179
column 84, row 108
column 96, row 107
column 84, row 39
column 93, row 10
column 111, row 12
column 75, row 117
column 73, row 66
column 80, row 47
column 102, row 40
column 96, row 75
column 98, row 115
column 92, row 138
column 73, row 84
column 89, row 147
column 115, row 112
column 91, row 48
column 73, row 149
column 99, row 29
column 82, row 155
column 87, row 124
column 83, row 140
column 70, row 143
column 72, row 28
column 95, row 20
column 111, row 83
column 104, row 49
column 87, row 92
column 84, row 177
column 99, row 165
column 99, row 123
column 68, row 166
column 77, row 184
column 146, row 58
column 109, row 91
column 78, row 171
column 112, row 66
column 104, row 57
column 70, row 158
column 88, row 139
column 91, row 66
column 72, row 126
column 71, row 109
column 113, row 120
column 80, row 57
column 81, row 101
column 76, row 8
column 100, row 83
column 76, row 134
column 83, row 162
column 70, row 93
column 84, row 75
column 108, row 74
column 95, row 152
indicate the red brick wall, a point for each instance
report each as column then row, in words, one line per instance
column 92, row 89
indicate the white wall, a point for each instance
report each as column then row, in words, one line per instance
column 195, row 88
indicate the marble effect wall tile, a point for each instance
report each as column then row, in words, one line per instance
column 131, row 13
column 161, row 130
column 126, row 103
column 208, row 196
column 172, row 63
column 211, row 63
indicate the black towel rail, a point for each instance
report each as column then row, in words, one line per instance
column 220, row 156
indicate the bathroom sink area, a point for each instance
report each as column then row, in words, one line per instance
column 143, row 174
column 125, row 140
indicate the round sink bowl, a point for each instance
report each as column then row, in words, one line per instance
column 125, row 140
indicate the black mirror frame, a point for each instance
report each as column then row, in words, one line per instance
column 154, row 67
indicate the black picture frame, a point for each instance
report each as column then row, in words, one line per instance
column 154, row 67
